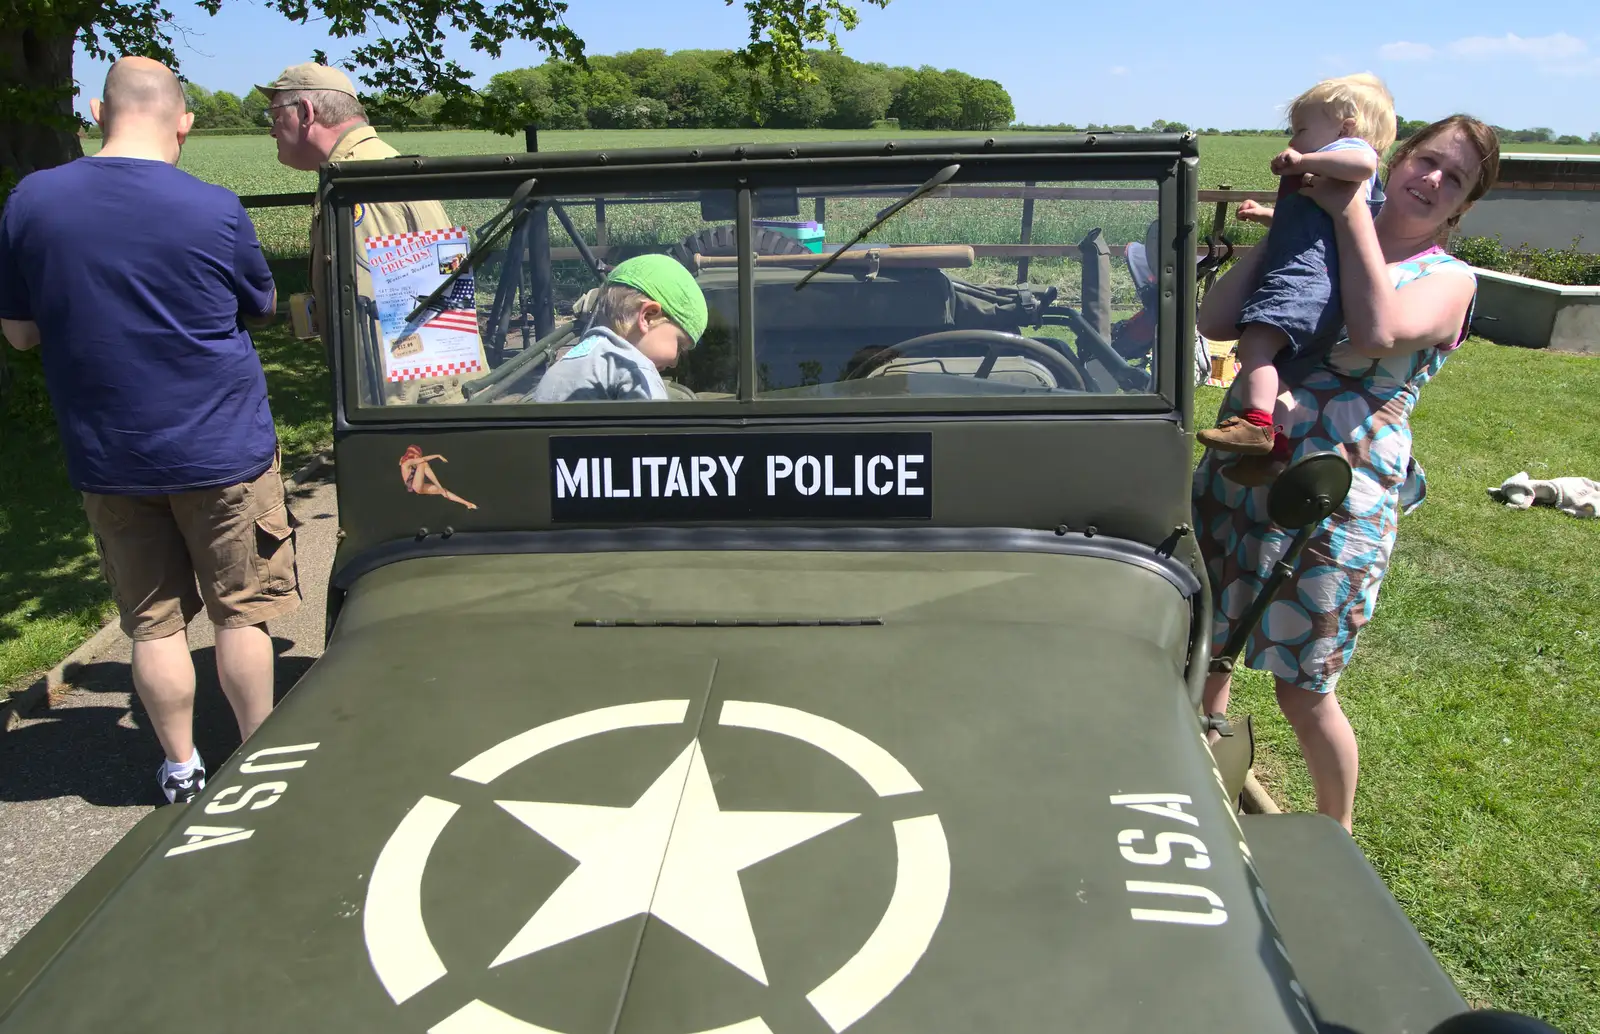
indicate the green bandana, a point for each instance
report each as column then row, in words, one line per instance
column 670, row 285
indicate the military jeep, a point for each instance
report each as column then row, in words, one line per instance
column 855, row 686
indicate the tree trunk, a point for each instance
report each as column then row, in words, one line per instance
column 36, row 127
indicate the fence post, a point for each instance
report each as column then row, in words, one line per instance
column 1027, row 230
column 1219, row 220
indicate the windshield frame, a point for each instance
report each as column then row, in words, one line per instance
column 1170, row 161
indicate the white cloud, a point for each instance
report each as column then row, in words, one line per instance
column 1559, row 53
column 1403, row 51
column 1119, row 70
column 1557, row 47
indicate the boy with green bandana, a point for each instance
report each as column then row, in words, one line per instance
column 648, row 313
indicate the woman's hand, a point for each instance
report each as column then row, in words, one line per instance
column 1335, row 196
column 1252, row 212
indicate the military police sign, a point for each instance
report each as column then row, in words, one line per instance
column 741, row 477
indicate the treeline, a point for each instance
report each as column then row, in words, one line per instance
column 224, row 110
column 706, row 89
column 1541, row 135
column 687, row 89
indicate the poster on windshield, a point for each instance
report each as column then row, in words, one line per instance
column 443, row 340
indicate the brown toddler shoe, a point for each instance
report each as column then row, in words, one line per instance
column 1236, row 434
column 1252, row 471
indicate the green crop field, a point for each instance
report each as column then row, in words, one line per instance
column 248, row 164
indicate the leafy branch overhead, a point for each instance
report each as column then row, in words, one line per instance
column 780, row 30
column 402, row 57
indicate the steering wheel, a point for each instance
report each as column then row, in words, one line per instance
column 994, row 342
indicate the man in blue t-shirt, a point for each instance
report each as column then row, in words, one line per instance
column 135, row 281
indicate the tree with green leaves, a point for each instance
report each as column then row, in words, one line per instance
column 929, row 99
column 219, row 110
column 39, row 129
column 985, row 104
column 701, row 89
column 859, row 94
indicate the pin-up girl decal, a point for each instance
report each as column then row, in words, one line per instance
column 420, row 478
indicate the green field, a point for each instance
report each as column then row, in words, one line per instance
column 1473, row 694
column 248, row 164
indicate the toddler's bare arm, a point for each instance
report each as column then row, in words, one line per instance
column 1353, row 165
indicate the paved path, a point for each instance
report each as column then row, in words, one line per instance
column 79, row 772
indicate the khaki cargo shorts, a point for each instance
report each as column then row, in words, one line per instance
column 237, row 542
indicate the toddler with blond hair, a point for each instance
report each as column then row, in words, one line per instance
column 1340, row 128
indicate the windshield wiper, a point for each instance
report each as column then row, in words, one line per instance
column 517, row 208
column 938, row 179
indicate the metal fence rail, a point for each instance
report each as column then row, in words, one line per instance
column 1022, row 251
column 1223, row 196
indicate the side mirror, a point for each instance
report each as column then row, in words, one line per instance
column 1309, row 490
column 1302, row 497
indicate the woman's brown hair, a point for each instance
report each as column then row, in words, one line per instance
column 1481, row 136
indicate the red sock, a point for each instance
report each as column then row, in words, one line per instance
column 1258, row 417
column 1281, row 449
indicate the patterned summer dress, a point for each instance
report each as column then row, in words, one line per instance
column 1359, row 407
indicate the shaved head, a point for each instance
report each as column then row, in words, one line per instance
column 138, row 86
column 143, row 112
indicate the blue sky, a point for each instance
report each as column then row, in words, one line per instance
column 1128, row 61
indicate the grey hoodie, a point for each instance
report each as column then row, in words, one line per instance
column 601, row 366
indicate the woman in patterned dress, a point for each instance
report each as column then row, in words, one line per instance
column 1407, row 305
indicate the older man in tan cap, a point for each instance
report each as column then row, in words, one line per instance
column 317, row 117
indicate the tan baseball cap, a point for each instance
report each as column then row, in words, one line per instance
column 310, row 76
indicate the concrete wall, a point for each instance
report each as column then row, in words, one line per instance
column 1540, row 218
column 1542, row 200
column 1515, row 310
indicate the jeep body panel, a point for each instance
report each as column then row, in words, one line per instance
column 443, row 660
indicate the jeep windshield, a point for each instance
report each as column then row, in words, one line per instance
column 1038, row 277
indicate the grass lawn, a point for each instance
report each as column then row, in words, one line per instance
column 51, row 594
column 1475, row 694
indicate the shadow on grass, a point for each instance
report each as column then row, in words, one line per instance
column 291, row 274
column 105, row 752
column 50, row 571
column 50, row 567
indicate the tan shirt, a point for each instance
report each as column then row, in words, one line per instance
column 361, row 143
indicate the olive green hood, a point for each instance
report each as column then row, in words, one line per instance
column 907, row 802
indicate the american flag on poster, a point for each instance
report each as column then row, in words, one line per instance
column 456, row 309
column 443, row 339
